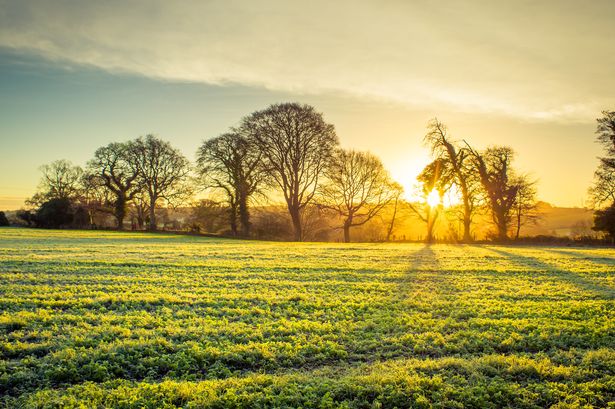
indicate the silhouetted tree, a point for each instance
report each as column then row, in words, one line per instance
column 55, row 213
column 296, row 145
column 139, row 209
column 434, row 182
column 115, row 167
column 232, row 163
column 604, row 220
column 496, row 176
column 358, row 187
column 458, row 163
column 60, row 180
column 3, row 220
column 525, row 209
column 603, row 190
column 95, row 198
column 27, row 216
column 81, row 217
column 163, row 171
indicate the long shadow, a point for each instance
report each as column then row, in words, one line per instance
column 420, row 260
column 610, row 262
column 582, row 282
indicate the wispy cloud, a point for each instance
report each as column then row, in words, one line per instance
column 535, row 61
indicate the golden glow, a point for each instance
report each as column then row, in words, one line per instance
column 433, row 199
column 452, row 197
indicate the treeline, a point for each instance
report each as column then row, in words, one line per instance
column 283, row 169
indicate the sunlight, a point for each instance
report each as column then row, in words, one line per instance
column 452, row 197
column 433, row 199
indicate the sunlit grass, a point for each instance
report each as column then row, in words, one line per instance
column 140, row 320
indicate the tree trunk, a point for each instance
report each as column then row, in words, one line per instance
column 467, row 214
column 152, row 215
column 120, row 212
column 467, row 237
column 140, row 219
column 295, row 216
column 430, row 224
column 244, row 216
column 233, row 219
column 347, row 225
column 502, row 231
column 467, row 218
column 392, row 224
column 119, row 220
column 518, row 226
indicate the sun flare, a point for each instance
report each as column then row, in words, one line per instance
column 433, row 199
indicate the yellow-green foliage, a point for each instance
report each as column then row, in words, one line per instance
column 104, row 319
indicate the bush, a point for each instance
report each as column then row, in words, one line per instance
column 55, row 213
column 604, row 220
column 3, row 220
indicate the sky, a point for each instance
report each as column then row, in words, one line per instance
column 76, row 75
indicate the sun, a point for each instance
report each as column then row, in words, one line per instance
column 433, row 199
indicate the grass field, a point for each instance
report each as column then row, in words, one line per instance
column 103, row 319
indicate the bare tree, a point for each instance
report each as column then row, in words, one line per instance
column 358, row 188
column 296, row 145
column 397, row 191
column 95, row 198
column 163, row 172
column 207, row 215
column 232, row 163
column 434, row 182
column 139, row 210
column 603, row 190
column 458, row 162
column 496, row 176
column 525, row 209
column 115, row 167
column 60, row 180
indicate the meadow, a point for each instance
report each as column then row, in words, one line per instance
column 92, row 319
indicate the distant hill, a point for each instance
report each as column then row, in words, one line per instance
column 561, row 221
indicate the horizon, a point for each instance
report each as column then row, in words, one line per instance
column 72, row 81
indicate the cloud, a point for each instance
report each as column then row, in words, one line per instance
column 537, row 61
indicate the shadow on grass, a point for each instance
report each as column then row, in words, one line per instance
column 579, row 255
column 582, row 282
column 421, row 261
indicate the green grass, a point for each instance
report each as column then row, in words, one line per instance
column 103, row 319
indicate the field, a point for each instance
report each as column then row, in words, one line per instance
column 104, row 319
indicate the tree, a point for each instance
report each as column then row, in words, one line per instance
column 358, row 187
column 397, row 191
column 232, row 163
column 27, row 216
column 162, row 170
column 3, row 220
column 494, row 169
column 60, row 180
column 604, row 220
column 115, row 167
column 434, row 182
column 296, row 145
column 139, row 210
column 55, row 213
column 603, row 190
column 207, row 215
column 457, row 161
column 525, row 209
